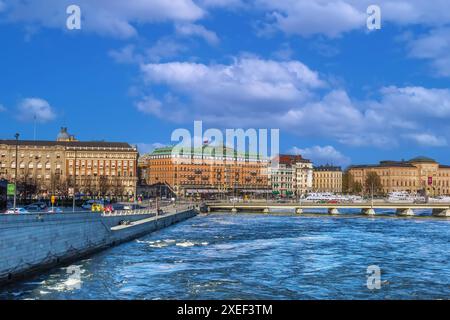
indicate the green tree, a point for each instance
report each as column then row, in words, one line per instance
column 347, row 182
column 372, row 183
column 357, row 187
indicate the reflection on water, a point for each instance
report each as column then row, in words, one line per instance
column 262, row 257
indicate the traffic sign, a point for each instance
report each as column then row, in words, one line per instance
column 11, row 189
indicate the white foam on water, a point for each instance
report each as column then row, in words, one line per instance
column 185, row 244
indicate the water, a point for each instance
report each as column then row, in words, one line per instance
column 222, row 256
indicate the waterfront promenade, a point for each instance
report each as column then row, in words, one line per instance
column 367, row 208
column 31, row 243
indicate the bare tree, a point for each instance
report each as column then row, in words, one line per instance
column 372, row 183
column 103, row 185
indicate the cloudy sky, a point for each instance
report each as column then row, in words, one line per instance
column 139, row 69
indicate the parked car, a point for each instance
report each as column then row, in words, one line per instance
column 55, row 210
column 108, row 209
column 132, row 206
column 18, row 211
column 118, row 206
column 33, row 208
column 88, row 204
column 97, row 207
column 42, row 205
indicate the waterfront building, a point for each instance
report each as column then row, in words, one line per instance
column 418, row 175
column 291, row 175
column 327, row 179
column 206, row 171
column 304, row 177
column 61, row 167
column 282, row 176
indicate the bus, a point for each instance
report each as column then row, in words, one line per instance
column 3, row 195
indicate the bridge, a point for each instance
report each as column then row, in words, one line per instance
column 367, row 208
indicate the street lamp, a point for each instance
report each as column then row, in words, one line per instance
column 15, row 176
column 74, row 179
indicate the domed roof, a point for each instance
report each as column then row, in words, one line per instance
column 63, row 134
column 422, row 159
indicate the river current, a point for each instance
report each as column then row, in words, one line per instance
column 246, row 256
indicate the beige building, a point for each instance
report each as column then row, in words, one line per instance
column 303, row 177
column 206, row 171
column 420, row 174
column 327, row 179
column 67, row 165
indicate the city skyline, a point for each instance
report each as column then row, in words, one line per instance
column 339, row 93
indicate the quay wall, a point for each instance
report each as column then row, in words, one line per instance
column 32, row 243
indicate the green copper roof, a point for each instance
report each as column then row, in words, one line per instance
column 422, row 159
column 206, row 150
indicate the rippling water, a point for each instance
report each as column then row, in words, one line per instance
column 225, row 256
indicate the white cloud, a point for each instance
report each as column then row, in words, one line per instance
column 308, row 17
column 251, row 92
column 2, row 108
column 335, row 17
column 427, row 140
column 164, row 48
column 107, row 17
column 434, row 47
column 150, row 105
column 190, row 29
column 126, row 54
column 226, row 4
column 322, row 155
column 144, row 148
column 31, row 108
column 298, row 17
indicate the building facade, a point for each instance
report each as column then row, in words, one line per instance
column 303, row 177
column 327, row 179
column 291, row 175
column 206, row 171
column 418, row 175
column 68, row 166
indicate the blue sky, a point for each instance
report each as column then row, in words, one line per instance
column 137, row 70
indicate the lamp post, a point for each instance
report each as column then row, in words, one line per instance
column 15, row 176
column 372, row 194
column 74, row 179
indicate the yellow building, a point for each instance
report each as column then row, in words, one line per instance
column 420, row 174
column 327, row 179
column 62, row 166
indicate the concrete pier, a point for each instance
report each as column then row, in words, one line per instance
column 31, row 243
column 333, row 211
column 441, row 212
column 368, row 211
column 405, row 212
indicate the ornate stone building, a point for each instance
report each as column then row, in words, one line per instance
column 66, row 165
column 207, row 171
column 291, row 175
column 420, row 174
column 327, row 179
